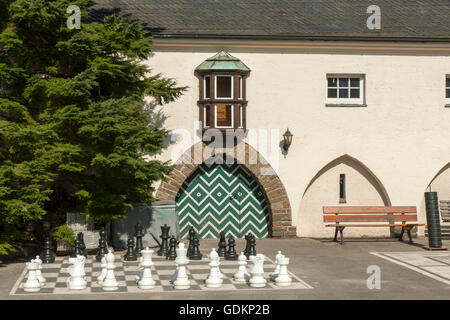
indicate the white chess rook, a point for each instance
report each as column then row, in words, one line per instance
column 241, row 275
column 214, row 280
column 182, row 281
column 283, row 279
column 32, row 284
column 39, row 271
column 257, row 280
column 110, row 283
column 146, row 282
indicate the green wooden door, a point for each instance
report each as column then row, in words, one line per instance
column 222, row 197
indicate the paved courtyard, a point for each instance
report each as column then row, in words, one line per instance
column 333, row 271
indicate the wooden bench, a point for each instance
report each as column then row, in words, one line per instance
column 342, row 217
column 445, row 210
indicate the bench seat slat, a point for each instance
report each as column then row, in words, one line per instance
column 369, row 218
column 373, row 209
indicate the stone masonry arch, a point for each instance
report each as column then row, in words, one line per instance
column 276, row 195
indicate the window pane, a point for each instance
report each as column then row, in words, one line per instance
column 447, row 82
column 207, row 113
column 343, row 82
column 332, row 82
column 332, row 93
column 240, row 88
column 343, row 93
column 207, row 87
column 223, row 115
column 354, row 93
column 447, row 93
column 354, row 82
column 240, row 116
column 224, row 87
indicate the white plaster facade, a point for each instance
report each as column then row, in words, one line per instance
column 402, row 137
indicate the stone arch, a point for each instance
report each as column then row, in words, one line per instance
column 276, row 195
column 363, row 188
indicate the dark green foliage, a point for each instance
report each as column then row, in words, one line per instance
column 74, row 128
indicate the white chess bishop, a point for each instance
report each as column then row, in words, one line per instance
column 242, row 275
column 214, row 279
column 257, row 280
column 110, row 283
column 77, row 281
column 32, row 284
column 146, row 281
column 39, row 271
column 182, row 281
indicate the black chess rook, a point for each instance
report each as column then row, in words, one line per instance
column 47, row 255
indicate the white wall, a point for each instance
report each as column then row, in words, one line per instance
column 402, row 135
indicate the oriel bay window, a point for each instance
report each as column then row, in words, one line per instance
column 222, row 96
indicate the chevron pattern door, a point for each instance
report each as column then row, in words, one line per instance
column 222, row 197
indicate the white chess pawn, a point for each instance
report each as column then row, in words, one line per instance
column 182, row 281
column 214, row 280
column 32, row 284
column 39, row 271
column 241, row 275
column 141, row 270
column 257, row 280
column 283, row 279
column 274, row 275
column 110, row 283
column 146, row 281
column 102, row 274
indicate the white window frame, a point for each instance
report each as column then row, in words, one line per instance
column 232, row 116
column 215, row 86
column 241, row 112
column 204, row 115
column 359, row 100
column 447, row 100
column 204, row 87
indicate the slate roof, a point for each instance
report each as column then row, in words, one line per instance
column 401, row 20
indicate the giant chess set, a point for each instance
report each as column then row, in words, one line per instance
column 174, row 267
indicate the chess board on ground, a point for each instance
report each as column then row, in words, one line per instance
column 57, row 274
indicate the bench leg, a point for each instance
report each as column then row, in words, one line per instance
column 335, row 235
column 401, row 234
column 409, row 235
column 340, row 229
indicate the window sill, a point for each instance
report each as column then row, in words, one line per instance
column 345, row 105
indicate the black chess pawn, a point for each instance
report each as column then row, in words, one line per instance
column 192, row 235
column 47, row 255
column 139, row 234
column 102, row 246
column 77, row 249
column 251, row 247
column 164, row 248
column 130, row 255
column 172, row 254
column 80, row 238
column 195, row 254
column 222, row 245
column 231, row 253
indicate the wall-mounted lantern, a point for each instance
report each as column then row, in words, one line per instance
column 287, row 141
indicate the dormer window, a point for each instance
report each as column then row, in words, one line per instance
column 222, row 102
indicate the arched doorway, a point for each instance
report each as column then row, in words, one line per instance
column 343, row 181
column 222, row 197
column 277, row 201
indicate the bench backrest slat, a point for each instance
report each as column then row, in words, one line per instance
column 374, row 209
column 339, row 214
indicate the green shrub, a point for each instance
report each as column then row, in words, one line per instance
column 64, row 233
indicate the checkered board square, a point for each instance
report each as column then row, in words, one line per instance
column 56, row 275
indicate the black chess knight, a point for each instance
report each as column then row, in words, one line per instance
column 80, row 238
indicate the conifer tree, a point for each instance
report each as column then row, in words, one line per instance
column 76, row 128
